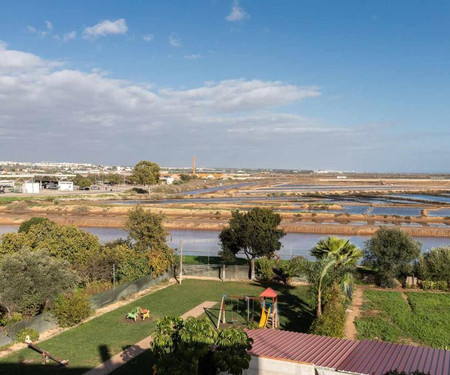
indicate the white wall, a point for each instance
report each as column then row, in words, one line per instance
column 65, row 185
column 30, row 188
column 269, row 366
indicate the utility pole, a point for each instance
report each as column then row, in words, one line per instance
column 181, row 261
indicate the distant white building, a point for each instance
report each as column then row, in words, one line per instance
column 30, row 188
column 65, row 185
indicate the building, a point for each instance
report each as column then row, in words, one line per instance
column 278, row 352
column 65, row 185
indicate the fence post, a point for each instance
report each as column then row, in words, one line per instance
column 223, row 272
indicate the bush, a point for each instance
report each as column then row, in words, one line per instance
column 331, row 322
column 32, row 279
column 72, row 309
column 265, row 268
column 293, row 268
column 14, row 318
column 435, row 285
column 23, row 333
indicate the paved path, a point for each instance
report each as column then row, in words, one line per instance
column 134, row 350
column 353, row 311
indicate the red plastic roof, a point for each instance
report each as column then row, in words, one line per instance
column 269, row 293
column 362, row 357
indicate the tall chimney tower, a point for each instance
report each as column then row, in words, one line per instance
column 193, row 165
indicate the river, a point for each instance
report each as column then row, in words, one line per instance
column 197, row 242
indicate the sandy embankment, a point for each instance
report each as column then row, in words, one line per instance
column 211, row 219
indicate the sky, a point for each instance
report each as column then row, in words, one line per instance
column 340, row 85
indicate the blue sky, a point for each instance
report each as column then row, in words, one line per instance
column 349, row 85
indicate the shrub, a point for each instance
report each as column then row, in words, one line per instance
column 23, row 333
column 14, row 318
column 265, row 268
column 331, row 322
column 72, row 309
column 293, row 268
column 32, row 279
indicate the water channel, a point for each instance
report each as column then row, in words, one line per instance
column 206, row 242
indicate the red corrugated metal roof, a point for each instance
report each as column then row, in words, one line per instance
column 363, row 357
column 269, row 293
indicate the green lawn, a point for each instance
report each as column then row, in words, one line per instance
column 91, row 343
column 424, row 319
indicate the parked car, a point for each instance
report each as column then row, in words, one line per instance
column 94, row 187
column 85, row 188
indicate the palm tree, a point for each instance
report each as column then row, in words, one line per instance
column 342, row 250
column 336, row 254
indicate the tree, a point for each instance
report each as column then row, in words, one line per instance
column 32, row 279
column 66, row 242
column 254, row 233
column 26, row 225
column 435, row 265
column 194, row 347
column 337, row 258
column 390, row 251
column 113, row 178
column 81, row 181
column 148, row 237
column 146, row 173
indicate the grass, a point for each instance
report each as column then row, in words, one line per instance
column 424, row 319
column 92, row 342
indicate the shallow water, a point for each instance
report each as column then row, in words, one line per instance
column 400, row 211
column 441, row 212
column 424, row 197
column 206, row 242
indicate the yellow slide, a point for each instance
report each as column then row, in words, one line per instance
column 264, row 317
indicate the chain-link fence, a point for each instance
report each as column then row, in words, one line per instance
column 45, row 321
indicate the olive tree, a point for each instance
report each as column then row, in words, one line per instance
column 32, row 279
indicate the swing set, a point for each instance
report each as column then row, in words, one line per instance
column 269, row 309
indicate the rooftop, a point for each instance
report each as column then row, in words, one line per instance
column 362, row 357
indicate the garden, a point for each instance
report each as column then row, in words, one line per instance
column 94, row 341
column 418, row 318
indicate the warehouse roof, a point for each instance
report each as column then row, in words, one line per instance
column 362, row 357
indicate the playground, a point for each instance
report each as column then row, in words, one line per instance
column 97, row 340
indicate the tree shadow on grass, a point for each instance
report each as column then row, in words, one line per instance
column 295, row 312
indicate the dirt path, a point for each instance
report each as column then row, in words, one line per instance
column 134, row 350
column 353, row 311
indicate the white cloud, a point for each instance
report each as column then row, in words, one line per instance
column 237, row 13
column 69, row 36
column 174, row 40
column 105, row 28
column 63, row 112
column 148, row 37
column 12, row 61
column 193, row 56
column 49, row 26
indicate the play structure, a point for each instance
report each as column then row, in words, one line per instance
column 45, row 356
column 137, row 313
column 269, row 308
